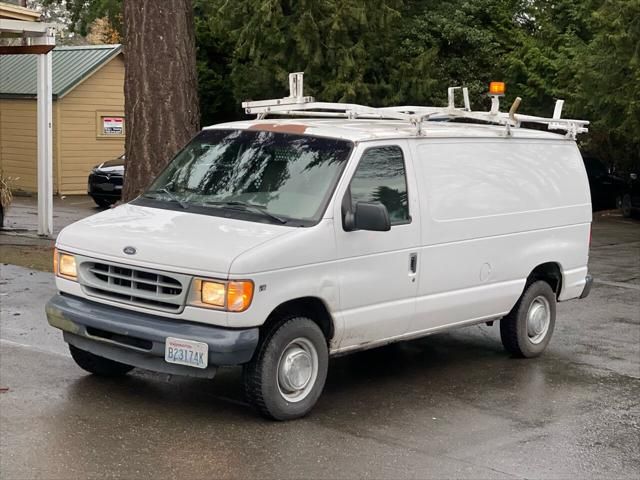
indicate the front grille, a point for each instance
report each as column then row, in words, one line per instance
column 100, row 178
column 142, row 287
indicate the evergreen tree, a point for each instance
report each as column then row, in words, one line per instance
column 383, row 52
column 348, row 49
column 608, row 90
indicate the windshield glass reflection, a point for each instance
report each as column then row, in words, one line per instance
column 278, row 177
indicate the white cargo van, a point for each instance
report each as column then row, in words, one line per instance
column 276, row 244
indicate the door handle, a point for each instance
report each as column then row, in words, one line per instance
column 413, row 262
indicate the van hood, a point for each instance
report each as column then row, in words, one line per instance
column 172, row 240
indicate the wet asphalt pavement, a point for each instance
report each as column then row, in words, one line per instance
column 447, row 406
column 22, row 216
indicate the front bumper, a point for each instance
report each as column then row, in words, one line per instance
column 138, row 339
column 105, row 196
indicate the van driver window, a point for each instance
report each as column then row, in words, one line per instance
column 380, row 177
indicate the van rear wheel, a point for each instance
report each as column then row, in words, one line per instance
column 100, row 366
column 527, row 329
column 286, row 376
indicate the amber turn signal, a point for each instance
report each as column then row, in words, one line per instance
column 239, row 295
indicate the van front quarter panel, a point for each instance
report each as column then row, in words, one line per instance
column 297, row 265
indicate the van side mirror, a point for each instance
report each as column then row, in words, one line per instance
column 372, row 216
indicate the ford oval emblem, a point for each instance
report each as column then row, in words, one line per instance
column 129, row 250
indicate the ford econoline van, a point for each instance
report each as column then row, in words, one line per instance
column 278, row 243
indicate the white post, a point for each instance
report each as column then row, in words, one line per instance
column 296, row 84
column 465, row 96
column 45, row 146
column 557, row 111
column 495, row 105
column 451, row 97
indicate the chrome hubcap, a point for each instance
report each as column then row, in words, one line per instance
column 538, row 319
column 297, row 370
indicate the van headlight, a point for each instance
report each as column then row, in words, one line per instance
column 212, row 293
column 64, row 265
column 233, row 296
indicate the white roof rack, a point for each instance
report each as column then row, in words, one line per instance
column 296, row 104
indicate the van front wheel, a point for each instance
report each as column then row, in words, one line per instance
column 286, row 376
column 527, row 329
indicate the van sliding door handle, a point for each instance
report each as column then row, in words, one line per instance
column 413, row 262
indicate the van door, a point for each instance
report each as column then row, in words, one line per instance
column 377, row 270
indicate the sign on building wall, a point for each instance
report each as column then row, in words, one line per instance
column 110, row 124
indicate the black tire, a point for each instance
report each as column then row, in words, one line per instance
column 100, row 366
column 626, row 206
column 103, row 202
column 516, row 337
column 261, row 379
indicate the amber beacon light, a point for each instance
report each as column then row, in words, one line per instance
column 497, row 88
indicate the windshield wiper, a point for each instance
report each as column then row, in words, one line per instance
column 171, row 195
column 261, row 209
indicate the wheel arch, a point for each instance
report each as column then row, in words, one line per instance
column 312, row 307
column 550, row 272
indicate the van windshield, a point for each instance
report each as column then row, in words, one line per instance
column 254, row 175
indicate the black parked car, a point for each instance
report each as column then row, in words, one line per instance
column 607, row 189
column 105, row 182
column 631, row 198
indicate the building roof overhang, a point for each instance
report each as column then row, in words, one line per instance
column 71, row 66
column 16, row 12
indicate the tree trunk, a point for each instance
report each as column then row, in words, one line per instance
column 160, row 87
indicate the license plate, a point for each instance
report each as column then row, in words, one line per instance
column 186, row 352
column 107, row 187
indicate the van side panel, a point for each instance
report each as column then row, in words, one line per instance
column 492, row 210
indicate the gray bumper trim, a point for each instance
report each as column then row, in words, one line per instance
column 136, row 359
column 74, row 315
column 587, row 286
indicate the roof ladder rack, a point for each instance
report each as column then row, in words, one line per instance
column 296, row 104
